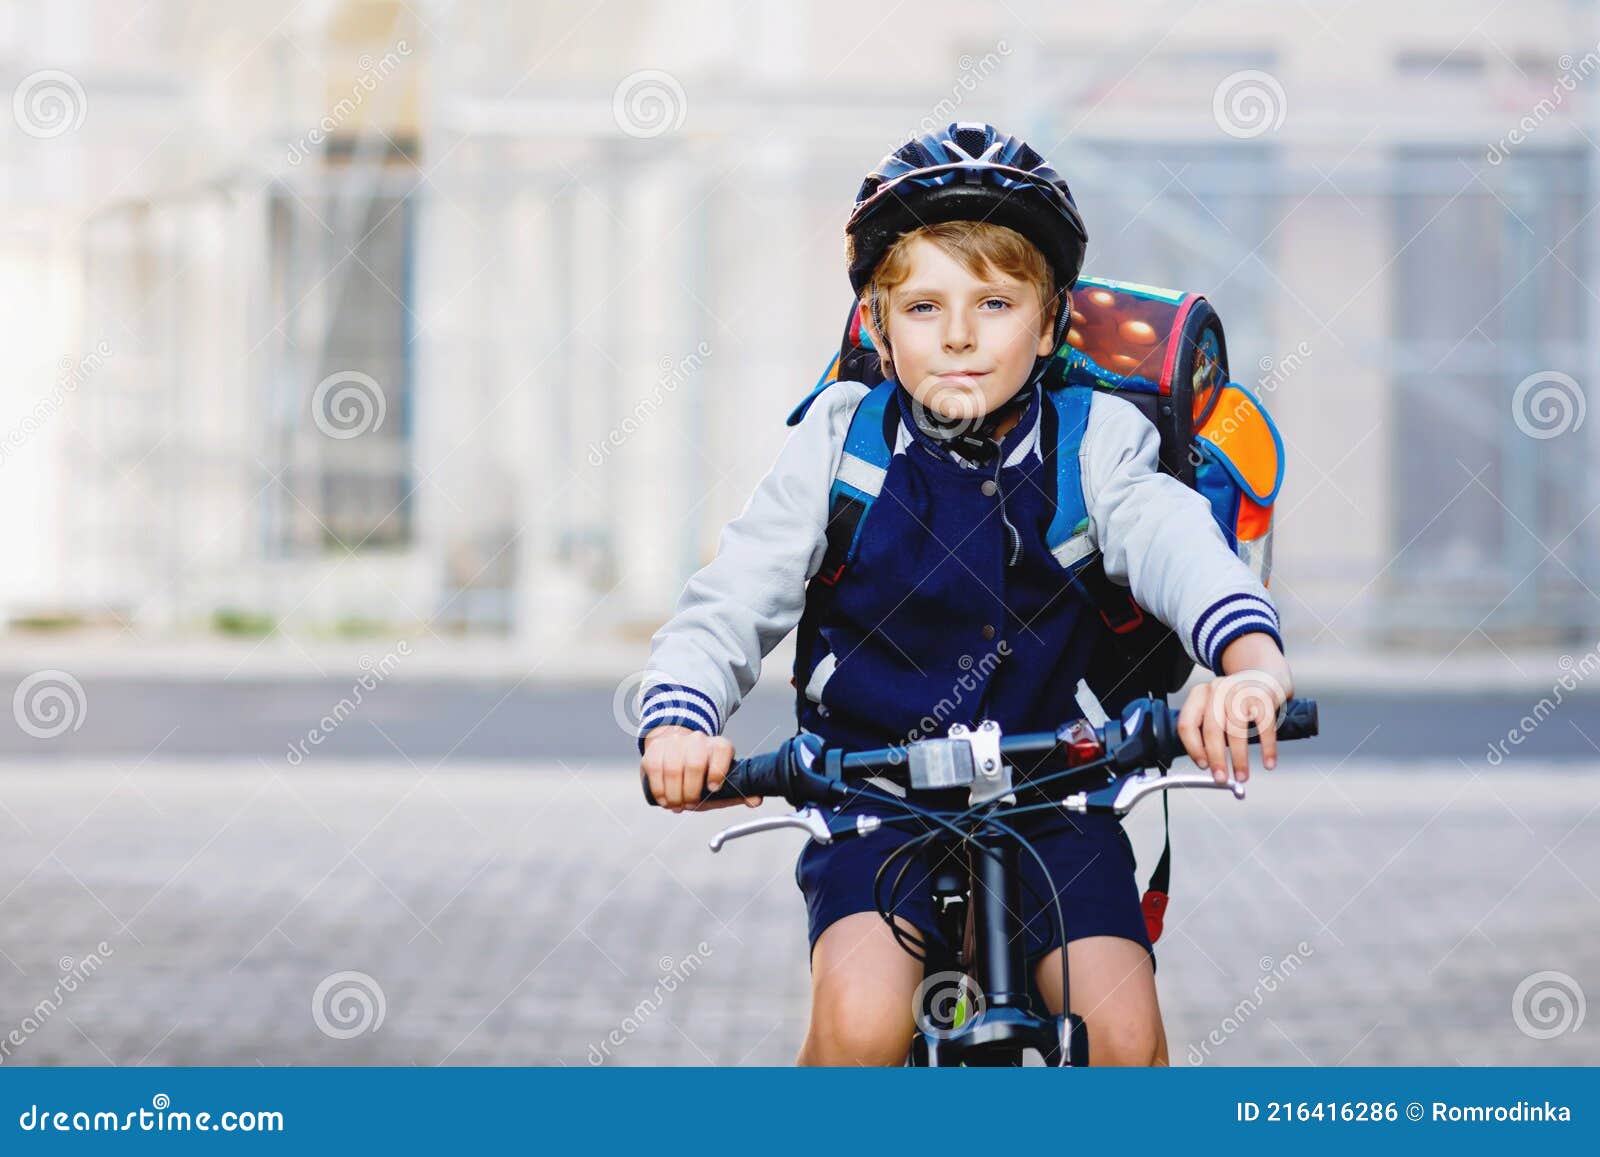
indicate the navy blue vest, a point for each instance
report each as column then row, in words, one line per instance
column 929, row 625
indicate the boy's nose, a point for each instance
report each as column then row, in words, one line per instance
column 958, row 333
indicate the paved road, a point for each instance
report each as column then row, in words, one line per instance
column 501, row 720
column 523, row 914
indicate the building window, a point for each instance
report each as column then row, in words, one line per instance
column 1486, row 294
column 343, row 383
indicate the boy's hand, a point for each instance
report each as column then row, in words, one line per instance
column 679, row 761
column 1216, row 717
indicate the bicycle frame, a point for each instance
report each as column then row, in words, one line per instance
column 1006, row 1023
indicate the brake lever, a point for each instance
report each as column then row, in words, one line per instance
column 1152, row 781
column 1148, row 782
column 809, row 819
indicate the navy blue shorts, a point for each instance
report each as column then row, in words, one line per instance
column 1090, row 859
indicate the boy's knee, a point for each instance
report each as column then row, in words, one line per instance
column 1126, row 1043
column 858, row 1028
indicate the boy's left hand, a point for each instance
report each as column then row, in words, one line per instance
column 1216, row 717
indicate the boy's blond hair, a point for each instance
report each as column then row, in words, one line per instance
column 981, row 248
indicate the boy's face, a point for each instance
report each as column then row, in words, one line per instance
column 962, row 345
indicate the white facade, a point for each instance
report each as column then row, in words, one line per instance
column 587, row 318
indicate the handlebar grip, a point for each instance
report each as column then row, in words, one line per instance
column 1299, row 719
column 1153, row 737
column 763, row 775
column 771, row 773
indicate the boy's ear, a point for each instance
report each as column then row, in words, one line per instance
column 869, row 319
column 1046, row 345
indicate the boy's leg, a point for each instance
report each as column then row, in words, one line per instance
column 862, row 986
column 1114, row 990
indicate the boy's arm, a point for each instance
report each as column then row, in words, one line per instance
column 741, row 604
column 1158, row 536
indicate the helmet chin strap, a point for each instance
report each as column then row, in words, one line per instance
column 943, row 429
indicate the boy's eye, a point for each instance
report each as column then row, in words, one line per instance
column 926, row 307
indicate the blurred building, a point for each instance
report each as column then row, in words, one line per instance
column 489, row 315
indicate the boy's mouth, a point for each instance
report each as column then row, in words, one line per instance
column 962, row 375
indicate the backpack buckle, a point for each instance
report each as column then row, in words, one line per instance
column 1130, row 622
column 1154, row 907
column 827, row 579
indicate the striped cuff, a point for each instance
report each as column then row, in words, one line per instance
column 1228, row 618
column 673, row 703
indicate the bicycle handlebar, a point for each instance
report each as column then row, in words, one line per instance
column 1145, row 735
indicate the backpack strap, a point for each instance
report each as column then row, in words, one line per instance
column 829, row 376
column 856, row 361
column 868, row 447
column 1114, row 602
column 1153, row 903
column 1068, row 535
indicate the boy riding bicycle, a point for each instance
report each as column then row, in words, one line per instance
column 963, row 248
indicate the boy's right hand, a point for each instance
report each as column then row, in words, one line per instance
column 679, row 761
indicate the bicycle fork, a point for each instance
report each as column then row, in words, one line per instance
column 1000, row 1021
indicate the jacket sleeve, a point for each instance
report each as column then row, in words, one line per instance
column 741, row 604
column 1158, row 537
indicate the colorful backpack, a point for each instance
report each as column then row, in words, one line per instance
column 1162, row 350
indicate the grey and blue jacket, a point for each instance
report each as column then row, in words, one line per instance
column 952, row 608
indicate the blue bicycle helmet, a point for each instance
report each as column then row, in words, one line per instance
column 967, row 172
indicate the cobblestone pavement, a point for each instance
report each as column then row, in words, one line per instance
column 245, row 913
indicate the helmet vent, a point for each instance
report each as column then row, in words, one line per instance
column 972, row 141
